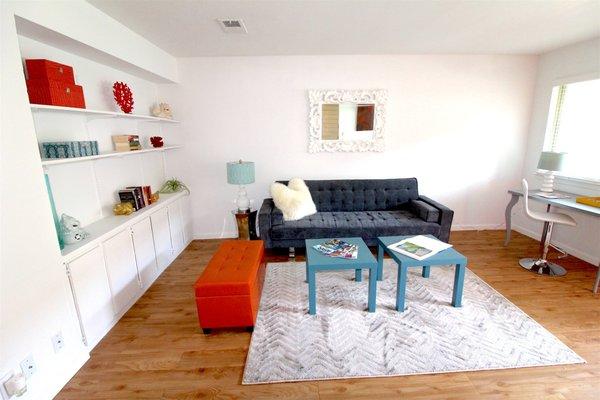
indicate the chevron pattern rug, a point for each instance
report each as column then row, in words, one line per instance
column 430, row 336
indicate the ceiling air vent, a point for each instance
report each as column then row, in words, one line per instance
column 231, row 25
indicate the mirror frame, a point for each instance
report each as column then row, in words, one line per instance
column 317, row 98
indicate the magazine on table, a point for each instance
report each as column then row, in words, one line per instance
column 338, row 248
column 419, row 247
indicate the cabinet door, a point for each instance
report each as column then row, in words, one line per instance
column 186, row 219
column 176, row 227
column 145, row 256
column 92, row 295
column 162, row 238
column 121, row 268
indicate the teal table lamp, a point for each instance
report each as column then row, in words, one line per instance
column 550, row 162
column 241, row 173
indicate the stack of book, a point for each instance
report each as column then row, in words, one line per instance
column 338, row 248
column 138, row 196
column 126, row 142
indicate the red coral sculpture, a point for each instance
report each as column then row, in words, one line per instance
column 156, row 141
column 123, row 97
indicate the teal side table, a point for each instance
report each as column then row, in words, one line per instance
column 446, row 257
column 317, row 261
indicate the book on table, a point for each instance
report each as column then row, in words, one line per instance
column 419, row 247
column 338, row 248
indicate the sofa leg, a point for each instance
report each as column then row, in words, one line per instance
column 292, row 252
column 250, row 329
column 206, row 331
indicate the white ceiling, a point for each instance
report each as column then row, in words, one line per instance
column 188, row 28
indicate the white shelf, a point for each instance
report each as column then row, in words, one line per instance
column 113, row 224
column 46, row 162
column 100, row 114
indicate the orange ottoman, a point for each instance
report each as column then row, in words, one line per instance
column 228, row 291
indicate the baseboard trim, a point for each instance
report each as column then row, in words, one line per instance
column 569, row 249
column 216, row 235
column 477, row 227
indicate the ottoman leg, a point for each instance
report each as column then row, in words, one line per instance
column 206, row 331
column 250, row 329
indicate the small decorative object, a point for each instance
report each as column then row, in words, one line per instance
column 550, row 162
column 173, row 185
column 241, row 173
column 154, row 197
column 69, row 149
column 123, row 96
column 156, row 141
column 126, row 142
column 162, row 110
column 72, row 231
column 123, row 208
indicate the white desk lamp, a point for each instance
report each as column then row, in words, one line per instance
column 550, row 162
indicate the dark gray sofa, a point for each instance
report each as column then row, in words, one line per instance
column 360, row 207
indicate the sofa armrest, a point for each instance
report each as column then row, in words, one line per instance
column 445, row 218
column 264, row 221
column 425, row 211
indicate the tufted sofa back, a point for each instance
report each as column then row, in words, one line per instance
column 362, row 194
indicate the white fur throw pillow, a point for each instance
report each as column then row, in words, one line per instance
column 294, row 200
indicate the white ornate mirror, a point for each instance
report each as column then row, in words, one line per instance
column 346, row 120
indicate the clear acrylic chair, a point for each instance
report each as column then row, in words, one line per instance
column 541, row 265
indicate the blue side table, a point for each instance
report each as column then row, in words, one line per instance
column 317, row 261
column 448, row 256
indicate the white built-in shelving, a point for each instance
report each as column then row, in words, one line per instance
column 100, row 114
column 56, row 161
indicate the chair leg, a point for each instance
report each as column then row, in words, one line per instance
column 292, row 252
column 541, row 265
column 597, row 280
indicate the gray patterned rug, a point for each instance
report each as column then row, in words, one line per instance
column 431, row 336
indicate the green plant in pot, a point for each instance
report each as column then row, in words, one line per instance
column 173, row 186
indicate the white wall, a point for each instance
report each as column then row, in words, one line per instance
column 35, row 300
column 458, row 123
column 581, row 59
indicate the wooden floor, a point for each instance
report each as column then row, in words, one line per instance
column 157, row 351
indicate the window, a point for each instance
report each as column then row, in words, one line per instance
column 573, row 127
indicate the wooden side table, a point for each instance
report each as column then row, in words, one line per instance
column 246, row 224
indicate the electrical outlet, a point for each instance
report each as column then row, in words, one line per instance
column 28, row 366
column 58, row 342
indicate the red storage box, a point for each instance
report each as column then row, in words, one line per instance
column 55, row 93
column 49, row 71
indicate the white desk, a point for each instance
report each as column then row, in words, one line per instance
column 567, row 203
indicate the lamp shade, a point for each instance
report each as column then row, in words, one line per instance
column 551, row 161
column 240, row 172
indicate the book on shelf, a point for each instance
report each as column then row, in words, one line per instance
column 129, row 196
column 139, row 195
column 419, row 247
column 126, row 142
column 338, row 248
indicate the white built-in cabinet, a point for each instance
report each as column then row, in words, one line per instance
column 92, row 295
column 121, row 269
column 161, row 234
column 109, row 277
column 176, row 226
column 145, row 256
